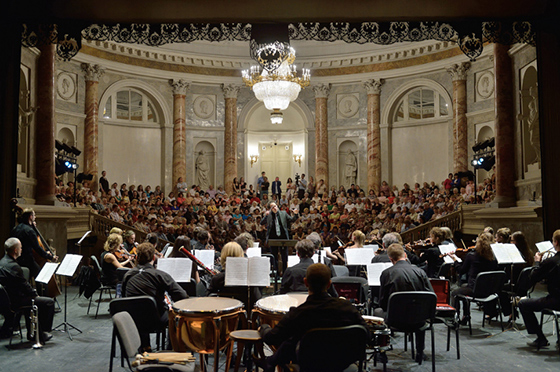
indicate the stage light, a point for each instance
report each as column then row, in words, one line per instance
column 474, row 162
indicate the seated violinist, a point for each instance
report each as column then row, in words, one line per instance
column 109, row 261
column 356, row 241
column 432, row 255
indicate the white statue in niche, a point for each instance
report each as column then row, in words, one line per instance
column 25, row 115
column 350, row 169
column 202, row 170
column 533, row 122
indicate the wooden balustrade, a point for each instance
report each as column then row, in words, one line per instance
column 453, row 221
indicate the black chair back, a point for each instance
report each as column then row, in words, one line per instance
column 523, row 283
column 409, row 311
column 5, row 303
column 332, row 349
column 341, row 270
column 142, row 309
column 353, row 288
column 489, row 283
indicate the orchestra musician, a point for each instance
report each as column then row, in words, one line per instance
column 549, row 270
column 432, row 255
column 356, row 241
column 402, row 276
column 481, row 260
column 21, row 293
column 129, row 238
column 144, row 279
column 26, row 232
column 319, row 311
column 276, row 222
column 109, row 261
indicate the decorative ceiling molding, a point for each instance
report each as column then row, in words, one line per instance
column 470, row 36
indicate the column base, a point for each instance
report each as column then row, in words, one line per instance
column 46, row 200
column 503, row 202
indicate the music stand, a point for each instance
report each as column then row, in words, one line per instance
column 67, row 269
column 283, row 245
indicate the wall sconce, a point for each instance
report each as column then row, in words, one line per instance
column 254, row 159
column 297, row 159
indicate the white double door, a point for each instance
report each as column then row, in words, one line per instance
column 276, row 160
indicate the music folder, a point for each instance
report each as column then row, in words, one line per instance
column 241, row 271
column 447, row 250
column 69, row 265
column 374, row 271
column 206, row 256
column 179, row 268
column 254, row 252
column 507, row 253
column 359, row 256
column 46, row 272
column 545, row 246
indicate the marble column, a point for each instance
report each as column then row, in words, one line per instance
column 505, row 128
column 458, row 73
column 321, row 133
column 230, row 136
column 45, row 126
column 91, row 128
column 373, row 89
column 179, row 129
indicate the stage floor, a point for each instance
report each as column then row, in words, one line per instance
column 488, row 349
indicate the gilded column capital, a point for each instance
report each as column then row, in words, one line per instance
column 459, row 71
column 179, row 86
column 230, row 90
column 322, row 90
column 373, row 86
column 92, row 72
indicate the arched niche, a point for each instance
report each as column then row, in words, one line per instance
column 24, row 120
column 205, row 151
column 347, row 163
column 529, row 119
column 284, row 140
column 65, row 135
column 484, row 132
column 416, row 150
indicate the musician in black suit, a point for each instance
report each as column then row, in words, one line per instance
column 402, row 277
column 277, row 227
column 26, row 232
column 548, row 270
column 21, row 293
column 319, row 311
column 276, row 187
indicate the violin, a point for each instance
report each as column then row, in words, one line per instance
column 122, row 254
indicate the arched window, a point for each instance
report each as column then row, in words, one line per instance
column 130, row 105
column 420, row 104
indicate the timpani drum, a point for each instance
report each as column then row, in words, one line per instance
column 379, row 332
column 271, row 309
column 203, row 324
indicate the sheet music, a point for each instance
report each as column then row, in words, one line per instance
column 256, row 244
column 328, row 249
column 254, row 252
column 359, row 256
column 375, row 247
column 241, row 271
column 206, row 256
column 236, row 271
column 258, row 274
column 507, row 253
column 374, row 271
column 179, row 268
column 545, row 246
column 69, row 265
column 449, row 248
column 46, row 272
column 293, row 260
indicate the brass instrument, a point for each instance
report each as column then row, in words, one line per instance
column 34, row 318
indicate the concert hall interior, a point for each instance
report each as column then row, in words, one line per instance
column 365, row 123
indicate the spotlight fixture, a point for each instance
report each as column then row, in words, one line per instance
column 75, row 151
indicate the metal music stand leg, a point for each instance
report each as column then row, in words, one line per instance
column 512, row 324
column 66, row 326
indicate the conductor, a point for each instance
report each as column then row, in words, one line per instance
column 276, row 222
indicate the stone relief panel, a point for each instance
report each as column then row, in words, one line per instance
column 484, row 88
column 347, row 105
column 66, row 86
column 204, row 106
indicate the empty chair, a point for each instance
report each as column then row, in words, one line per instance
column 412, row 312
column 144, row 312
column 103, row 288
column 126, row 332
column 332, row 349
column 354, row 289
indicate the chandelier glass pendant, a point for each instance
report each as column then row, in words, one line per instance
column 277, row 82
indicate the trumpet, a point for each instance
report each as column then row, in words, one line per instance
column 34, row 318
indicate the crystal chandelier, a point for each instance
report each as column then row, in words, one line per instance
column 277, row 83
